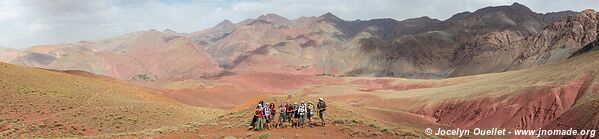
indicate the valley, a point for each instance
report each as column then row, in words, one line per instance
column 496, row 67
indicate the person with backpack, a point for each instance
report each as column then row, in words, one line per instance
column 301, row 112
column 282, row 112
column 260, row 118
column 260, row 104
column 266, row 116
column 273, row 112
column 322, row 107
column 310, row 109
column 295, row 118
column 289, row 109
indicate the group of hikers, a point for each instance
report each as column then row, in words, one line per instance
column 298, row 114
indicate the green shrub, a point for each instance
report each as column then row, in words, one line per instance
column 264, row 135
column 339, row 121
column 407, row 132
column 356, row 121
column 374, row 125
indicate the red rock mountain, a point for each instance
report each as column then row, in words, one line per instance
column 491, row 39
column 144, row 55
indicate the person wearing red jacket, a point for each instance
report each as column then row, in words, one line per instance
column 260, row 118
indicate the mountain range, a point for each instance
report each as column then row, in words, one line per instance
column 491, row 39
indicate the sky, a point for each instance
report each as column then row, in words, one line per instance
column 25, row 23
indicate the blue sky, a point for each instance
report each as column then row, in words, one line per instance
column 33, row 22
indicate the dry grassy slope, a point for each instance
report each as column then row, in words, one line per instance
column 508, row 83
column 525, row 99
column 37, row 102
column 585, row 113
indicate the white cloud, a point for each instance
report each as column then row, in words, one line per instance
column 33, row 22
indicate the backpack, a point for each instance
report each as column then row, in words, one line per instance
column 289, row 108
column 301, row 110
column 282, row 110
column 322, row 105
column 266, row 111
column 311, row 109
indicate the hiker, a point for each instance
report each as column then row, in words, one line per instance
column 266, row 116
column 261, row 103
column 255, row 116
column 273, row 112
column 295, row 115
column 301, row 112
column 260, row 118
column 289, row 110
column 322, row 107
column 310, row 109
column 282, row 113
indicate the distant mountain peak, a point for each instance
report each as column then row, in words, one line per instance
column 421, row 19
column 273, row 18
column 225, row 23
column 459, row 16
column 330, row 17
column 588, row 11
column 270, row 15
column 514, row 8
column 152, row 30
column 169, row 31
column 519, row 6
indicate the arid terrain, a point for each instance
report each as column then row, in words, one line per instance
column 496, row 67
